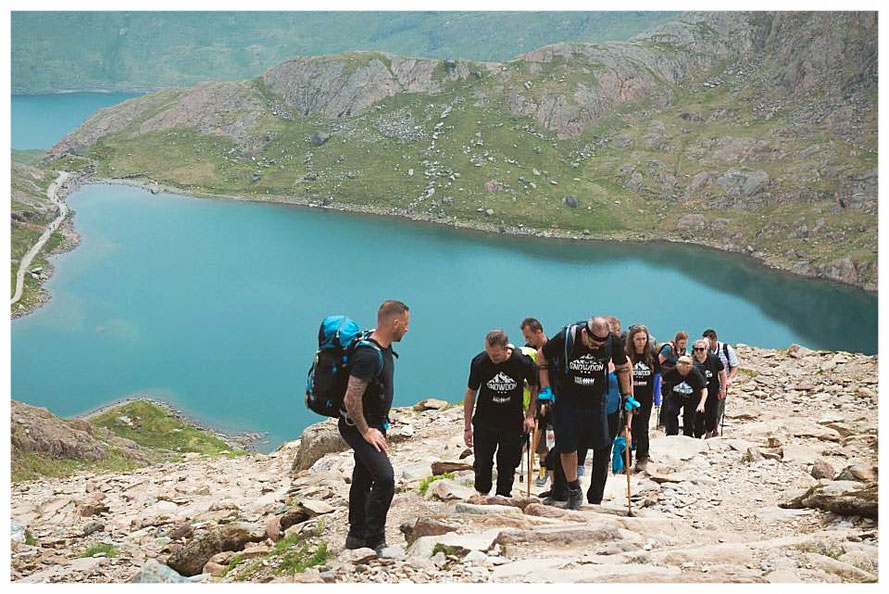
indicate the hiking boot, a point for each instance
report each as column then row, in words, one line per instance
column 642, row 464
column 540, row 481
column 593, row 498
column 354, row 542
column 575, row 498
column 377, row 545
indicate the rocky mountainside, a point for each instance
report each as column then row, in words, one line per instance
column 788, row 494
column 749, row 132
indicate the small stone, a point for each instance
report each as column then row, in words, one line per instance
column 823, row 470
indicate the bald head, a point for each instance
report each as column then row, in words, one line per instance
column 598, row 326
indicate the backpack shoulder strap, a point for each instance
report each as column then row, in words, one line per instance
column 570, row 330
column 367, row 342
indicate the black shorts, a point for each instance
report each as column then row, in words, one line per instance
column 579, row 427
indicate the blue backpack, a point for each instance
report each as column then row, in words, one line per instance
column 338, row 338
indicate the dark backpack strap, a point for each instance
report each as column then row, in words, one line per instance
column 569, row 345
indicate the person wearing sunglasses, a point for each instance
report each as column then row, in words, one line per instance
column 574, row 365
column 713, row 370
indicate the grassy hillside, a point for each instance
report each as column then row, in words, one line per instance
column 52, row 51
column 127, row 436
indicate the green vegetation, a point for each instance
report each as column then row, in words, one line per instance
column 29, row 539
column 100, row 549
column 161, row 437
column 424, row 484
column 291, row 555
column 52, row 51
column 236, row 560
column 153, row 427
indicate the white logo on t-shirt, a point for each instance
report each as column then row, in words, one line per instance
column 641, row 373
column 683, row 389
column 587, row 364
column 502, row 383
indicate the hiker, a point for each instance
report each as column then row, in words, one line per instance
column 729, row 359
column 497, row 376
column 612, row 406
column 685, row 388
column 532, row 331
column 645, row 373
column 713, row 371
column 367, row 401
column 574, row 365
column 667, row 354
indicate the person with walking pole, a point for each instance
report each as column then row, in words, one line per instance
column 646, row 387
column 729, row 359
column 574, row 365
column 497, row 376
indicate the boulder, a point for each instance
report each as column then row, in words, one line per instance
column 430, row 404
column 425, row 527
column 858, row 472
column 470, row 508
column 317, row 441
column 153, row 572
column 448, row 490
column 483, row 541
column 822, row 470
column 847, row 498
column 571, row 201
column 180, row 531
column 190, row 559
column 447, row 466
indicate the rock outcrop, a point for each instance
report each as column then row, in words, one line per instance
column 705, row 511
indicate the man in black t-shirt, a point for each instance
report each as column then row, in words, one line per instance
column 685, row 388
column 574, row 363
column 497, row 375
column 367, row 401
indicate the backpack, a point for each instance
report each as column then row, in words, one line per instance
column 328, row 376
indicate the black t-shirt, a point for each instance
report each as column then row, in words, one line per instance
column 586, row 380
column 365, row 365
column 501, row 386
column 684, row 387
column 710, row 369
column 643, row 376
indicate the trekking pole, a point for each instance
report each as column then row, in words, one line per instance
column 627, row 470
column 530, row 472
column 722, row 416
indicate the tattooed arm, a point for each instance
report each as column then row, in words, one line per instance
column 355, row 411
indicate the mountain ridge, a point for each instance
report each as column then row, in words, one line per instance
column 706, row 129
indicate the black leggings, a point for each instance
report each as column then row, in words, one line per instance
column 508, row 444
column 688, row 406
column 373, row 486
column 641, row 419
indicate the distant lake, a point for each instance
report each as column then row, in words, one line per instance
column 214, row 305
column 40, row 121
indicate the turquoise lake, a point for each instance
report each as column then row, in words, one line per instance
column 214, row 305
column 40, row 121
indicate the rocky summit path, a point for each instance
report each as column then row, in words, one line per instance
column 788, row 494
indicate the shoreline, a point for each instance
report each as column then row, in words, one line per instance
column 245, row 440
column 478, row 226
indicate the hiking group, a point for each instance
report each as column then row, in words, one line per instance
column 589, row 386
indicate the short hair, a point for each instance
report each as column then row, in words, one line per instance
column 597, row 323
column 681, row 335
column 532, row 323
column 613, row 324
column 703, row 342
column 497, row 337
column 709, row 333
column 684, row 360
column 389, row 309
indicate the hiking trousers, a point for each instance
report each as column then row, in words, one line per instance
column 508, row 445
column 641, row 419
column 673, row 404
column 373, row 486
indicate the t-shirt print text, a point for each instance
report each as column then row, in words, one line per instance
column 501, row 383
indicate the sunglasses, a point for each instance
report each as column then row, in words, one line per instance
column 699, row 349
column 597, row 339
